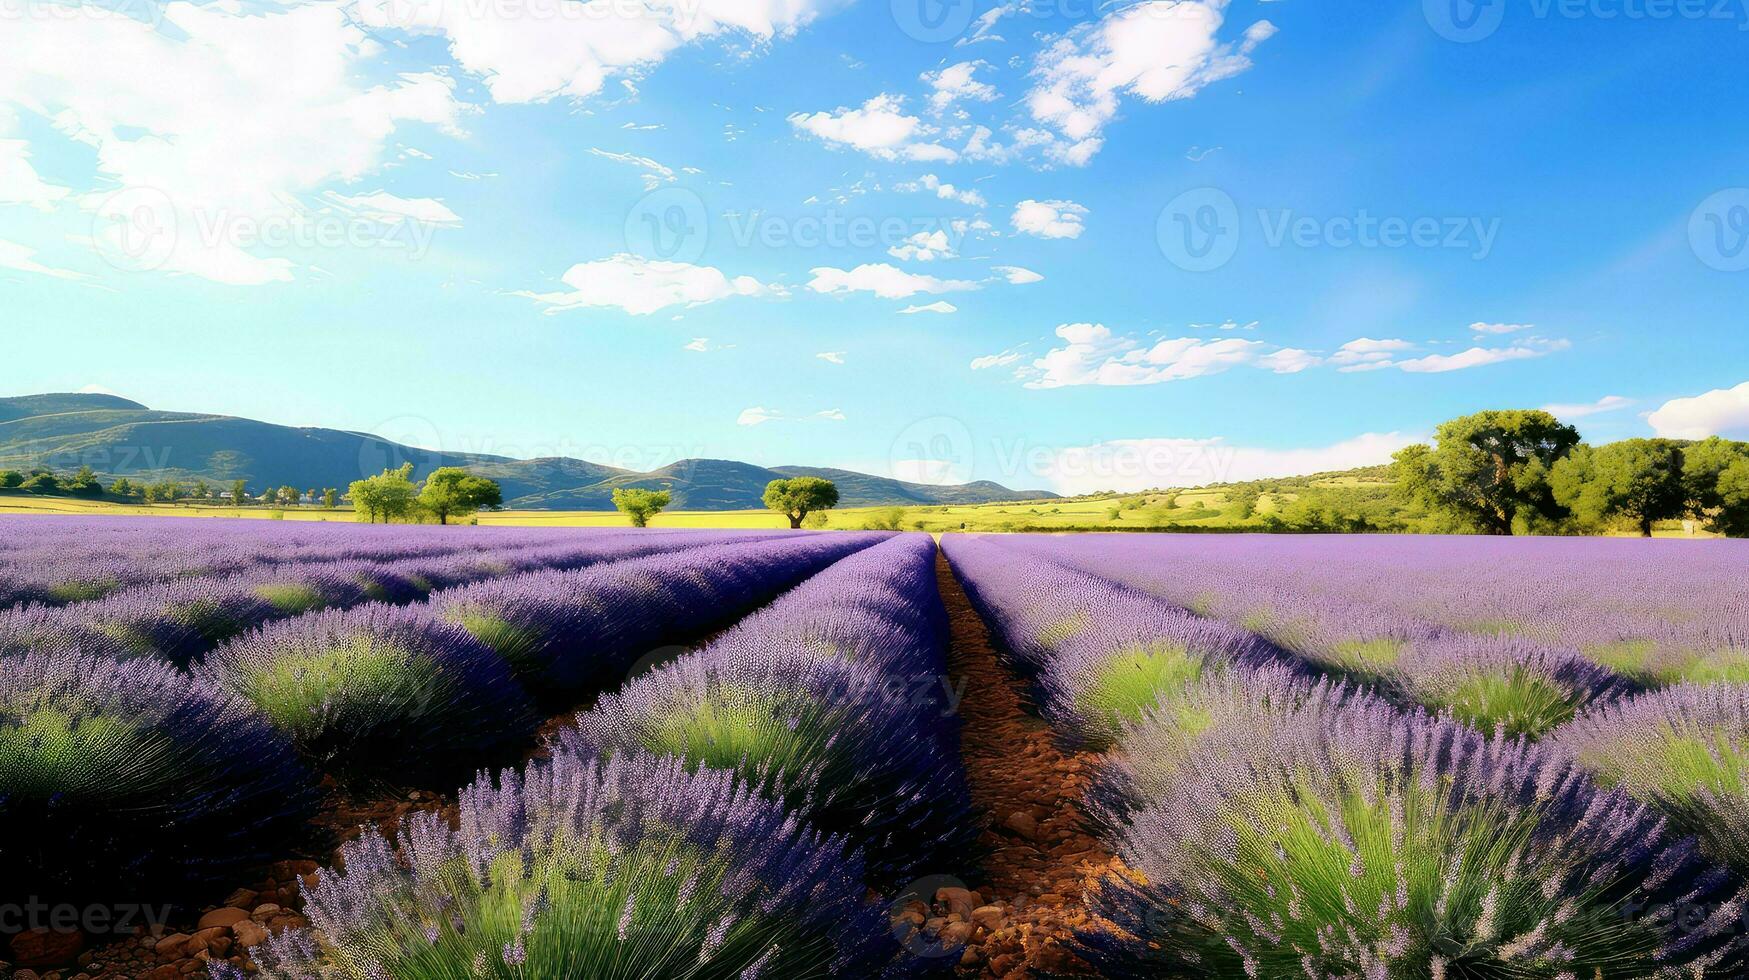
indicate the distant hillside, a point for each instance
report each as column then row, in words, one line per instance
column 720, row 484
column 117, row 437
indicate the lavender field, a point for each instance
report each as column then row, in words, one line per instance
column 360, row 752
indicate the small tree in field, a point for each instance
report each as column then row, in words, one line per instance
column 239, row 492
column 454, row 492
column 388, row 495
column 797, row 498
column 330, row 498
column 641, row 505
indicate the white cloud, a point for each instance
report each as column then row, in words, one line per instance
column 1608, row 403
column 1093, row 355
column 989, row 361
column 21, row 259
column 247, row 108
column 943, row 190
column 1478, row 357
column 758, row 415
column 702, row 345
column 830, row 415
column 939, row 306
column 655, row 174
column 955, row 83
column 640, row 286
column 1157, row 50
column 389, row 209
column 831, row 356
column 1049, row 219
column 1140, row 464
column 1720, row 412
column 885, row 281
column 1017, row 276
column 1501, row 328
column 1367, row 354
column 19, row 182
column 535, row 50
column 924, row 246
column 880, row 128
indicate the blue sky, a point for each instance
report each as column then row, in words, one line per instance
column 1068, row 244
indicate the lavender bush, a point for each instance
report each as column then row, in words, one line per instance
column 829, row 700
column 1361, row 841
column 1101, row 653
column 127, row 782
column 1685, row 749
column 379, row 693
column 584, row 868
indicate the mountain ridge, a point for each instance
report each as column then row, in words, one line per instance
column 117, row 437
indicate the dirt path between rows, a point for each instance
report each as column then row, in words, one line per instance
column 1040, row 857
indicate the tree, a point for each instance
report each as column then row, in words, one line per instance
column 1488, row 471
column 797, row 498
column 123, row 488
column 287, row 495
column 641, row 505
column 84, row 483
column 1714, row 475
column 1640, row 480
column 389, row 495
column 454, row 492
column 239, row 492
column 330, row 498
column 11, row 479
column 42, row 482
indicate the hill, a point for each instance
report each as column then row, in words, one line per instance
column 117, row 437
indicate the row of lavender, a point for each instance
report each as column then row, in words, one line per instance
column 721, row 815
column 136, row 780
column 1653, row 612
column 182, row 617
column 58, row 560
column 1282, row 821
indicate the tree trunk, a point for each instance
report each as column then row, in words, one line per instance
column 1645, row 527
column 795, row 523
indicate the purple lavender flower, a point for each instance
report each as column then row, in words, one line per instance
column 607, row 846
column 133, row 782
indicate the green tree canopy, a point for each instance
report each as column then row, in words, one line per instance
column 1715, row 476
column 798, row 497
column 1488, row 471
column 641, row 505
column 11, row 479
column 387, row 496
column 1641, row 480
column 454, row 492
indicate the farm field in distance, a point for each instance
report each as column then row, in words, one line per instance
column 293, row 749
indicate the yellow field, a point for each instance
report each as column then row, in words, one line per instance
column 1189, row 509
